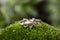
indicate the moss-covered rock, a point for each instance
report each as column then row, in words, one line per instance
column 42, row 31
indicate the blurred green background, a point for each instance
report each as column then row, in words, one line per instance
column 14, row 10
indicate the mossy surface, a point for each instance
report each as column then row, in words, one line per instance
column 42, row 31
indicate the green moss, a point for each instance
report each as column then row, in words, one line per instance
column 42, row 31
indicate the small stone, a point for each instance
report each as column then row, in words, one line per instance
column 29, row 22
